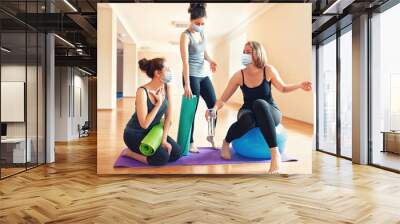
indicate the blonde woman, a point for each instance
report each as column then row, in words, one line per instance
column 259, row 108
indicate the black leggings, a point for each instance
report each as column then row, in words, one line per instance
column 262, row 115
column 133, row 137
column 202, row 86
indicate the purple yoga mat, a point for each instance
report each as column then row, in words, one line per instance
column 207, row 156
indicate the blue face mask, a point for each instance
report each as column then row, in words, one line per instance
column 197, row 28
column 247, row 59
column 168, row 77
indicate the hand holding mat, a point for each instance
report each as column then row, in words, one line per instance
column 152, row 140
column 186, row 119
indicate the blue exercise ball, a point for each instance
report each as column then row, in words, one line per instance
column 253, row 145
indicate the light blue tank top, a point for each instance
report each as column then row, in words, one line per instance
column 196, row 55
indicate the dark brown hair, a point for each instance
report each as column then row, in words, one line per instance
column 150, row 66
column 197, row 10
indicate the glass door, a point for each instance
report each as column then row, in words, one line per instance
column 326, row 59
column 346, row 93
column 385, row 89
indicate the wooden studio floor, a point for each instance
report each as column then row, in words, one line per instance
column 71, row 191
column 110, row 142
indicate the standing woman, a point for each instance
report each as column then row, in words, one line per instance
column 193, row 44
column 153, row 101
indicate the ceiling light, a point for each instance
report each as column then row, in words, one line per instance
column 70, row 5
column 174, row 43
column 64, row 40
column 5, row 50
column 337, row 7
column 179, row 24
column 84, row 71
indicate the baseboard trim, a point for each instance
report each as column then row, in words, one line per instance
column 299, row 121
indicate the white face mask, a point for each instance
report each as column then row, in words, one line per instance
column 197, row 28
column 168, row 77
column 247, row 59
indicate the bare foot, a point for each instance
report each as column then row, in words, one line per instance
column 126, row 152
column 225, row 151
column 193, row 148
column 133, row 155
column 210, row 139
column 275, row 167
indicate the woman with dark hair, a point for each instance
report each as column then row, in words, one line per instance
column 153, row 101
column 259, row 108
column 193, row 44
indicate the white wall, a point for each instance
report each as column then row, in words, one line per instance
column 130, row 69
column 120, row 70
column 62, row 97
column 70, row 84
column 16, row 73
column 106, row 57
column 33, row 127
column 285, row 32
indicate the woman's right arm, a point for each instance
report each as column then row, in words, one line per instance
column 145, row 118
column 230, row 89
column 184, row 43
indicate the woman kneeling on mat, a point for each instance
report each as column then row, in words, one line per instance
column 153, row 100
column 259, row 108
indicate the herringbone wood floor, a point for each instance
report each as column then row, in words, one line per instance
column 70, row 191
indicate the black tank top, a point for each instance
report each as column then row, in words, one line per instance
column 262, row 91
column 134, row 122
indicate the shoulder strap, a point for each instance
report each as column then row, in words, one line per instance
column 188, row 33
column 147, row 93
column 265, row 75
column 242, row 77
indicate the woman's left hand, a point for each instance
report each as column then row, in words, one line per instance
column 306, row 86
column 165, row 145
column 213, row 66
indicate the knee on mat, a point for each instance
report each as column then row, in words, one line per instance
column 175, row 154
column 160, row 160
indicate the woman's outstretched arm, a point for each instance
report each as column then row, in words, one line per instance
column 280, row 85
column 230, row 89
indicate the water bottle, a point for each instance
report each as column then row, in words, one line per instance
column 212, row 115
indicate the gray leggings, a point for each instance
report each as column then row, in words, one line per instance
column 262, row 115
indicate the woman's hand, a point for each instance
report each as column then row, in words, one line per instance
column 158, row 96
column 306, row 86
column 213, row 66
column 188, row 92
column 165, row 145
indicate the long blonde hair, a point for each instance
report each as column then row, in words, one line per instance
column 259, row 52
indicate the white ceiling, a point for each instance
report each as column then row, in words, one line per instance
column 150, row 24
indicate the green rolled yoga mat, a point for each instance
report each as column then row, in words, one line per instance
column 188, row 109
column 152, row 140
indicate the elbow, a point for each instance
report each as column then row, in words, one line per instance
column 143, row 125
